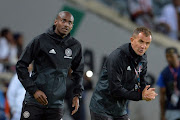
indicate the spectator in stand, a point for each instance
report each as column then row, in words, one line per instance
column 19, row 39
column 141, row 12
column 157, row 6
column 168, row 82
column 12, row 52
column 6, row 37
column 170, row 19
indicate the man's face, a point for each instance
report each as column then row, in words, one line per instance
column 171, row 59
column 140, row 43
column 64, row 24
column 9, row 37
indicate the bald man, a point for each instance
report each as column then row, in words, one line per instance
column 54, row 53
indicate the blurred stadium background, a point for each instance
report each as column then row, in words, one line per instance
column 101, row 27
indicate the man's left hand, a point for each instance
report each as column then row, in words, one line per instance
column 75, row 103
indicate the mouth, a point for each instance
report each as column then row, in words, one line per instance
column 65, row 29
column 141, row 51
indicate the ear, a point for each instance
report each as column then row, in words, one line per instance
column 72, row 27
column 132, row 39
column 55, row 22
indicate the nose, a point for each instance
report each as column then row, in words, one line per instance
column 66, row 24
column 143, row 46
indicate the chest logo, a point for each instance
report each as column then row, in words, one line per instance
column 68, row 53
column 129, row 68
column 52, row 51
column 26, row 114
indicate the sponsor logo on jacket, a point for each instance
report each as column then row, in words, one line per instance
column 52, row 51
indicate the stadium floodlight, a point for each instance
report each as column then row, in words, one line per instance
column 89, row 73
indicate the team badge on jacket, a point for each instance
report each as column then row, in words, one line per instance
column 26, row 114
column 68, row 53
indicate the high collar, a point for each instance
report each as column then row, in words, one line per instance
column 127, row 49
column 51, row 32
column 136, row 57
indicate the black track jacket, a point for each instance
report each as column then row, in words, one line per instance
column 117, row 83
column 53, row 56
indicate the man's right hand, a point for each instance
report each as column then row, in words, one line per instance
column 41, row 97
column 148, row 94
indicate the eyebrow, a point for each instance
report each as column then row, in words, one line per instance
column 66, row 19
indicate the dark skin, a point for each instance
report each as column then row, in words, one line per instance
column 9, row 38
column 173, row 61
column 64, row 24
column 176, row 3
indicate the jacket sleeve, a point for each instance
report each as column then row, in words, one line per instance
column 77, row 74
column 28, row 55
column 115, row 73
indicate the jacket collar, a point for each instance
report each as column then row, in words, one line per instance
column 127, row 49
column 57, row 37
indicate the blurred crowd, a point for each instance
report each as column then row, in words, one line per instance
column 158, row 15
column 11, row 46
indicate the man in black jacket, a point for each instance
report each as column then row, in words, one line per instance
column 122, row 79
column 53, row 53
